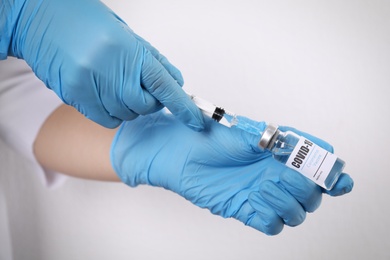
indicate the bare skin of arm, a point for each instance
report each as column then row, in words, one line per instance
column 71, row 144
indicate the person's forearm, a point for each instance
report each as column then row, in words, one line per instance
column 71, row 144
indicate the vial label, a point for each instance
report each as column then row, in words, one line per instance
column 312, row 161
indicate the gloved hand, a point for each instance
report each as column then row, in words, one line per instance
column 220, row 169
column 93, row 60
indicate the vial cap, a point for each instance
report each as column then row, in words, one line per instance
column 267, row 135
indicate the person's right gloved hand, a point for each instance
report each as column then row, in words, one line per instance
column 93, row 60
column 221, row 169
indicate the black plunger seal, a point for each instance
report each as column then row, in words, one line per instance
column 218, row 113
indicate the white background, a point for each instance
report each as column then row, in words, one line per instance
column 320, row 66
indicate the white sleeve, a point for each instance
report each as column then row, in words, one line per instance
column 25, row 103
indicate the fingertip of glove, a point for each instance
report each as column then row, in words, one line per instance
column 192, row 117
column 196, row 128
column 343, row 186
column 195, row 123
column 267, row 226
column 106, row 121
column 264, row 219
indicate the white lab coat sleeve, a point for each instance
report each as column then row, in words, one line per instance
column 25, row 104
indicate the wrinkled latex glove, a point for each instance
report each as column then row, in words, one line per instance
column 221, row 169
column 93, row 60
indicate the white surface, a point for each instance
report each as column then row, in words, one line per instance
column 24, row 106
column 321, row 66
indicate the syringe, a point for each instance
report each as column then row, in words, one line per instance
column 227, row 118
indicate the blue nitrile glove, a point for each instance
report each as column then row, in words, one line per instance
column 220, row 169
column 93, row 60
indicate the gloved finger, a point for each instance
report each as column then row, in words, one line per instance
column 159, row 83
column 139, row 101
column 312, row 138
column 264, row 218
column 306, row 192
column 244, row 144
column 96, row 113
column 343, row 185
column 284, row 204
column 172, row 70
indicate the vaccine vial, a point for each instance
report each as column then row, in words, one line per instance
column 302, row 155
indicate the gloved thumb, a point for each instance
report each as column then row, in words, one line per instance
column 251, row 131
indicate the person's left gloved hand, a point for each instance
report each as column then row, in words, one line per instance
column 93, row 61
column 220, row 169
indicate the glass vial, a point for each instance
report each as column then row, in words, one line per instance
column 302, row 155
